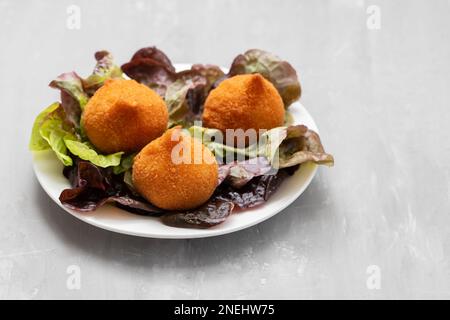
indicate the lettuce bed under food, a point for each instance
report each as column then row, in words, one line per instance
column 247, row 176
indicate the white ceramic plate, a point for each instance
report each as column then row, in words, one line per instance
column 48, row 171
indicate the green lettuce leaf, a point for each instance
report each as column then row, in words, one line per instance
column 289, row 146
column 175, row 99
column 283, row 146
column 37, row 143
column 51, row 131
column 58, row 127
column 55, row 132
column 104, row 69
column 282, row 75
column 213, row 140
column 302, row 145
column 126, row 163
column 85, row 151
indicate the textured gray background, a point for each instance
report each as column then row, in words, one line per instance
column 380, row 97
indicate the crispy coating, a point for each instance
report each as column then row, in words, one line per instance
column 124, row 115
column 244, row 102
column 172, row 179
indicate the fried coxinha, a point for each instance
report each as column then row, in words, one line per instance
column 124, row 115
column 244, row 102
column 175, row 184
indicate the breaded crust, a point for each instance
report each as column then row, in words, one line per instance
column 124, row 115
column 159, row 176
column 244, row 102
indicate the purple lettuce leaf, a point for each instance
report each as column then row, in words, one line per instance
column 153, row 53
column 210, row 214
column 256, row 191
column 93, row 186
column 280, row 73
column 150, row 66
column 238, row 173
column 73, row 96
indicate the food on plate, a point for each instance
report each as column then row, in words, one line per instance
column 122, row 143
column 175, row 171
column 244, row 102
column 124, row 115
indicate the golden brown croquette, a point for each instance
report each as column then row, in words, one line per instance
column 244, row 102
column 124, row 115
column 163, row 179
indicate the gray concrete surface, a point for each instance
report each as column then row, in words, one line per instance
column 380, row 97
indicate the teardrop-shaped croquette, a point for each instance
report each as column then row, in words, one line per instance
column 124, row 115
column 175, row 171
column 244, row 102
